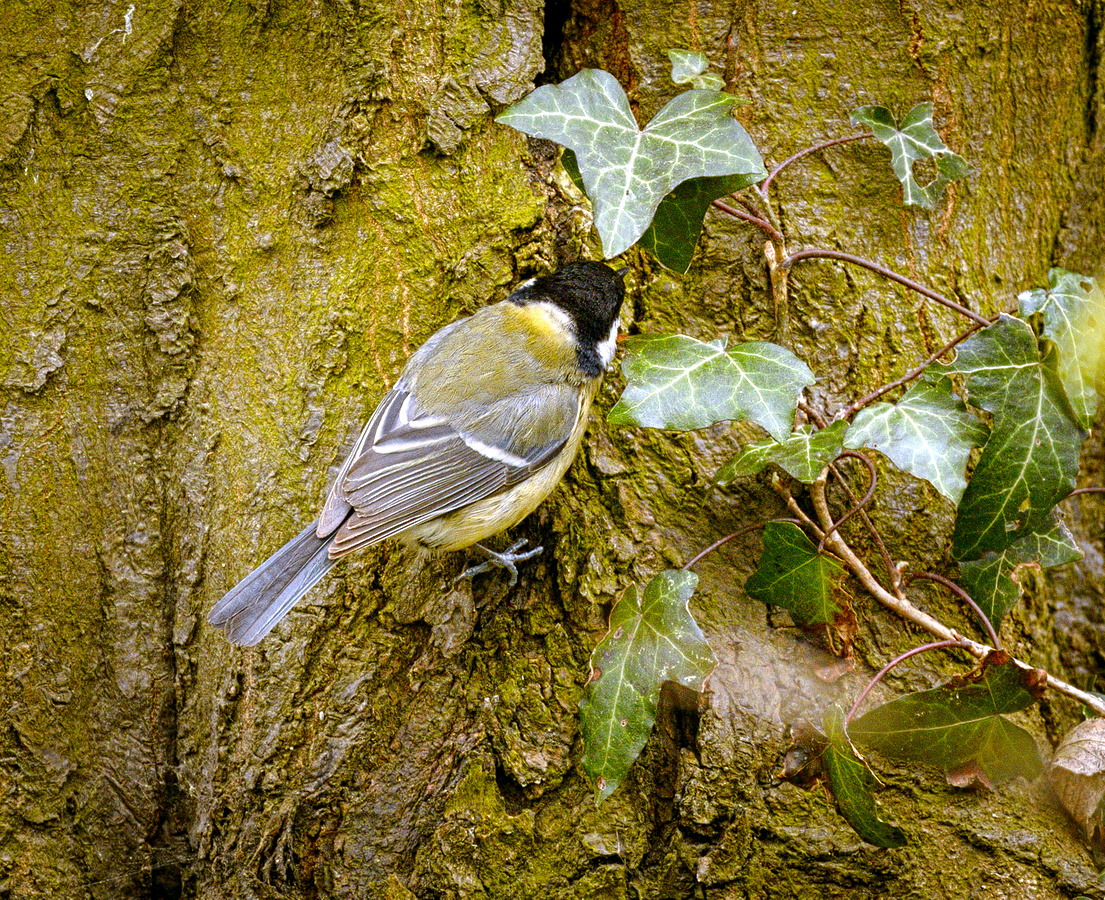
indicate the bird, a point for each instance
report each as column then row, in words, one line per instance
column 481, row 425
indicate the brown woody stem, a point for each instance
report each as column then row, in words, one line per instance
column 910, row 612
column 885, row 273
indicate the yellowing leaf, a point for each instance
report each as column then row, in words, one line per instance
column 1078, row 776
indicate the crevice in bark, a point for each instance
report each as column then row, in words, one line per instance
column 586, row 34
column 557, row 13
column 514, row 797
column 677, row 719
column 1093, row 69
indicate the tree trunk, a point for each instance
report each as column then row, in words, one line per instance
column 226, row 226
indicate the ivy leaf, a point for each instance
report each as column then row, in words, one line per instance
column 1073, row 314
column 990, row 580
column 689, row 67
column 1078, row 777
column 673, row 233
column 679, row 383
column 1031, row 459
column 802, row 455
column 928, row 433
column 915, row 139
column 961, row 722
column 1050, row 547
column 627, row 171
column 850, row 781
column 651, row 640
column 793, row 575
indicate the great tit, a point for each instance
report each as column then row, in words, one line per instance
column 483, row 422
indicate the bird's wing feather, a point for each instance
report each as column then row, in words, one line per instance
column 411, row 467
column 251, row 609
column 337, row 507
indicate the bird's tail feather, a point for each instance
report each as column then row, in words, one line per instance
column 253, row 607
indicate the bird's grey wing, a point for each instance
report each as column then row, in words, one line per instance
column 337, row 507
column 413, row 467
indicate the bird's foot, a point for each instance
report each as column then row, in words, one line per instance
column 508, row 560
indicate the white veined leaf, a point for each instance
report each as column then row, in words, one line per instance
column 627, row 170
column 928, row 433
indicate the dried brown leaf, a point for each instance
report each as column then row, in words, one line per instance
column 1078, row 777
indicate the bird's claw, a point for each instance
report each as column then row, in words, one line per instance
column 508, row 560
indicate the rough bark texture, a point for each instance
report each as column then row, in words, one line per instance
column 224, row 228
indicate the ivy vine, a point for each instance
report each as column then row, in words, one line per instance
column 994, row 421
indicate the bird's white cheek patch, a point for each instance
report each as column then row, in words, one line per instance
column 608, row 347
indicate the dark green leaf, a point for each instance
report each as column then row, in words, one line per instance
column 915, row 139
column 627, row 171
column 850, row 781
column 649, row 642
column 793, row 575
column 1031, row 459
column 928, row 433
column 568, row 161
column 1051, row 546
column 673, row 233
column 961, row 722
column 1073, row 314
column 989, row 580
column 802, row 455
column 689, row 67
column 677, row 382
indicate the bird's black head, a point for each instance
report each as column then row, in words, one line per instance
column 589, row 292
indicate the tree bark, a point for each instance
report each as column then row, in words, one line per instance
column 225, row 228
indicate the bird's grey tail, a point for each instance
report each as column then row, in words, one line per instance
column 253, row 607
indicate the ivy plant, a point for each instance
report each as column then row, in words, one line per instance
column 658, row 179
column 994, row 421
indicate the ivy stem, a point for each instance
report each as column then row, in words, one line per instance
column 812, row 414
column 762, row 224
column 783, row 491
column 965, row 597
column 936, row 645
column 751, row 207
column 766, row 186
column 1085, row 490
column 767, row 213
column 908, row 611
column 891, row 569
column 909, row 376
column 729, row 537
column 885, row 273
column 856, row 507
